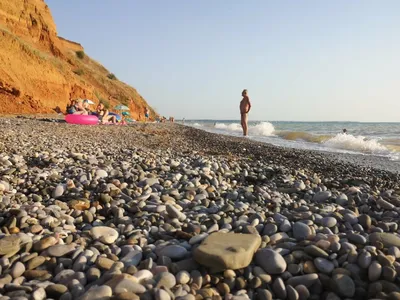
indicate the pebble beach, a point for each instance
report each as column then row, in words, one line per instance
column 165, row 211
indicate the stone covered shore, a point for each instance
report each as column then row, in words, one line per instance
column 164, row 211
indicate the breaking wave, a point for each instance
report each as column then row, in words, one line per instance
column 356, row 143
column 260, row 129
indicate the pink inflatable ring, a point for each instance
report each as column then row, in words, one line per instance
column 82, row 119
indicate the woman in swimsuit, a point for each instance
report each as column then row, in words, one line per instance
column 103, row 115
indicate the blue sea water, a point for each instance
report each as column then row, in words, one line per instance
column 379, row 139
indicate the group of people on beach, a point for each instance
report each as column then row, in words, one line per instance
column 82, row 107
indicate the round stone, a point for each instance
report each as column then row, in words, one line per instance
column 364, row 259
column 270, row 229
column 292, row 294
column 374, row 271
column 272, row 262
column 263, row 294
column 343, row 285
column 165, row 279
column 104, row 234
column 182, row 277
column 324, row 265
column 35, row 262
column 56, row 290
column 302, row 291
column 301, row 231
column 39, row 294
column 17, row 270
column 143, row 275
column 174, row 252
column 279, row 288
column 328, row 222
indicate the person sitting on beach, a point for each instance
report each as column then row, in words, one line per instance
column 103, row 115
column 79, row 108
column 86, row 107
column 71, row 109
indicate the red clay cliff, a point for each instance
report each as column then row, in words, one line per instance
column 40, row 71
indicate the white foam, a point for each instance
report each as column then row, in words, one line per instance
column 263, row 128
column 260, row 129
column 229, row 127
column 197, row 125
column 356, row 143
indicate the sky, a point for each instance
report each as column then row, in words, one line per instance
column 300, row 60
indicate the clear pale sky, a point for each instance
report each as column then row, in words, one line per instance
column 300, row 60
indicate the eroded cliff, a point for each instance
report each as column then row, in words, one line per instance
column 40, row 71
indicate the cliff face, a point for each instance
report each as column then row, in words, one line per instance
column 40, row 71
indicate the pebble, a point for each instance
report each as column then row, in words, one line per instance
column 292, row 293
column 165, row 279
column 263, row 294
column 9, row 245
column 322, row 196
column 271, row 261
column 324, row 265
column 374, row 271
column 106, row 235
column 121, row 283
column 56, row 290
column 328, row 222
column 60, row 250
column 301, row 231
column 161, row 294
column 308, row 280
column 279, row 288
column 17, row 270
column 35, row 262
column 183, row 277
column 97, row 293
column 303, row 292
column 270, row 229
column 343, row 285
column 174, row 252
column 39, row 294
column 143, row 275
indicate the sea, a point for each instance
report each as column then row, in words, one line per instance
column 375, row 139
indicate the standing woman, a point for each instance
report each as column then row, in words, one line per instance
column 146, row 114
column 245, row 106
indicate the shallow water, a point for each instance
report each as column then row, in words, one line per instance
column 378, row 139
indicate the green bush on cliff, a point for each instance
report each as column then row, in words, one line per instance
column 112, row 76
column 80, row 54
